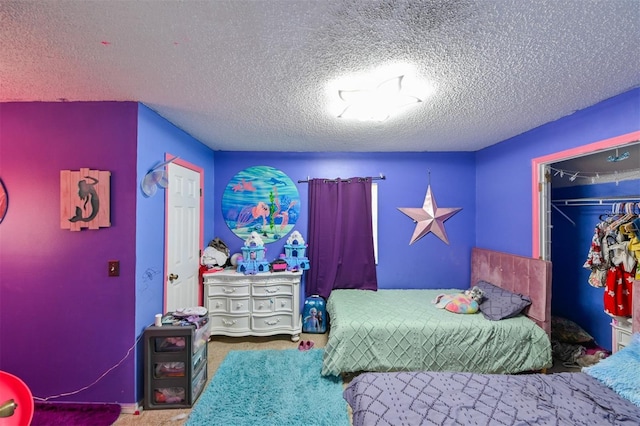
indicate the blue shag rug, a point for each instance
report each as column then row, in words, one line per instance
column 271, row 387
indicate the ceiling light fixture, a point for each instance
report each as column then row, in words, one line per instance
column 376, row 104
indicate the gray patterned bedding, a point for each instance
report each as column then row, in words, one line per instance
column 402, row 330
column 447, row 398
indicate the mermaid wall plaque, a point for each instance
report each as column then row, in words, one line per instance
column 84, row 199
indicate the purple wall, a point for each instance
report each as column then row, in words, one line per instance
column 429, row 262
column 63, row 321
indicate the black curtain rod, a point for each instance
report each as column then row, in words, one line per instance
column 381, row 177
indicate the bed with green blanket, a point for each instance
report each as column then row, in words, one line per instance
column 402, row 330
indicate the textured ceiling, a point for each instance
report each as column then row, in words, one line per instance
column 254, row 75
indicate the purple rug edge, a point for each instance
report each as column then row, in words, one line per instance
column 68, row 414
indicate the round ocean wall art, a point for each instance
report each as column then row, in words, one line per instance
column 261, row 199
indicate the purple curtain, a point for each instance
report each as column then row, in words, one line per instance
column 340, row 236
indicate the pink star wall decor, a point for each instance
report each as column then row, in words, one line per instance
column 429, row 218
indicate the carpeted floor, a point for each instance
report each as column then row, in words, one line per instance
column 219, row 347
column 271, row 388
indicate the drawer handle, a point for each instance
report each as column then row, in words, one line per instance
column 269, row 290
column 239, row 305
column 283, row 303
column 226, row 290
column 228, row 323
column 218, row 304
column 261, row 305
column 272, row 322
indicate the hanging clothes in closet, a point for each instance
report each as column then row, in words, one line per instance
column 614, row 255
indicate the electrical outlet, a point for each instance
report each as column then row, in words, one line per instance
column 114, row 268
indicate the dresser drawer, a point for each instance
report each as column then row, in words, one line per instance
column 217, row 305
column 230, row 323
column 264, row 323
column 620, row 333
column 228, row 290
column 623, row 337
column 226, row 277
column 284, row 304
column 264, row 305
column 273, row 290
column 236, row 305
column 239, row 305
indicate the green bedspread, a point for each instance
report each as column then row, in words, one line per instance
column 402, row 330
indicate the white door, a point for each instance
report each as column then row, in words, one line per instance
column 183, row 236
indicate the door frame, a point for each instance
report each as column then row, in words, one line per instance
column 200, row 171
column 540, row 199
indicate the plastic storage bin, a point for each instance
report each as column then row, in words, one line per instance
column 175, row 365
column 314, row 315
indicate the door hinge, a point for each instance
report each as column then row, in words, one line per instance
column 201, row 192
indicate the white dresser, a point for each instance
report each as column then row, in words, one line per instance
column 620, row 333
column 263, row 304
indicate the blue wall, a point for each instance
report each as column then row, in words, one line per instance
column 429, row 262
column 504, row 199
column 157, row 136
column 503, row 171
column 573, row 297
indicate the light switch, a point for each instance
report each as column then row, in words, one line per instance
column 114, row 268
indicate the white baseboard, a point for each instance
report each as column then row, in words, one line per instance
column 134, row 408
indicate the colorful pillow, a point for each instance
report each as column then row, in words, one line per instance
column 456, row 303
column 499, row 303
column 621, row 371
column 566, row 331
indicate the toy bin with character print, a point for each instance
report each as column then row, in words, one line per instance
column 314, row 315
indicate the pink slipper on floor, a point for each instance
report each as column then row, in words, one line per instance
column 308, row 345
column 302, row 345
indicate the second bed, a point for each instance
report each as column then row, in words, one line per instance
column 402, row 330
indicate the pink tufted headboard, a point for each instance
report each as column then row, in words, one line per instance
column 518, row 274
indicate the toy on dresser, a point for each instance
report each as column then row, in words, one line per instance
column 216, row 255
column 252, row 260
column 294, row 252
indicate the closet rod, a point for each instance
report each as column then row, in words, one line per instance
column 381, row 177
column 601, row 201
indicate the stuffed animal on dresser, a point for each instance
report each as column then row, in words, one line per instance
column 216, row 254
column 467, row 302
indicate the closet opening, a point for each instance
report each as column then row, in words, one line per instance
column 566, row 205
column 541, row 186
